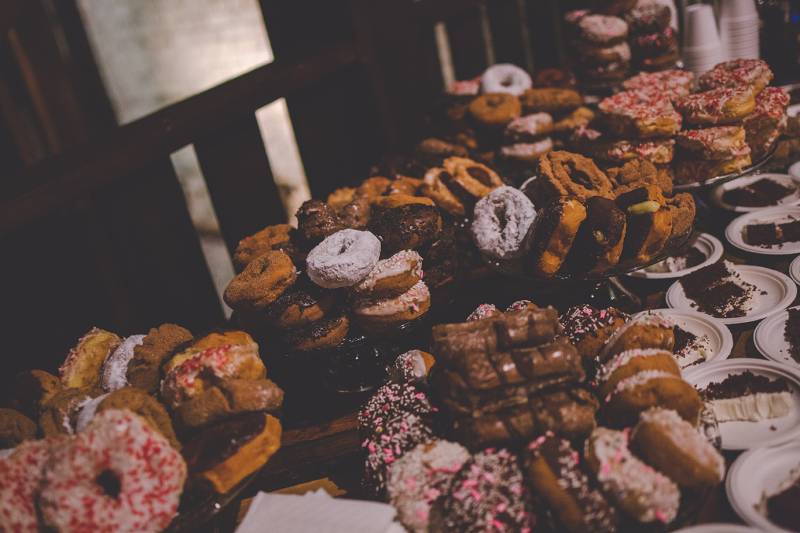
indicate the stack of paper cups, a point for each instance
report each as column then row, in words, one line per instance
column 702, row 47
column 738, row 28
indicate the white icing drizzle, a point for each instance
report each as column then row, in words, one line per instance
column 115, row 367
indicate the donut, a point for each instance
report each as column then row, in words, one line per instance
column 389, row 402
column 699, row 170
column 484, row 311
column 555, row 77
column 522, row 305
column 31, row 389
column 648, row 16
column 650, row 388
column 118, row 475
column 683, row 209
column 434, row 187
column 639, row 115
column 666, row 60
column 495, row 110
column 261, row 282
column 605, row 75
column 529, row 128
column 768, row 121
column 568, row 174
column 672, row 83
column 15, row 428
column 736, row 73
column 399, row 200
column 137, row 401
column 399, row 436
column 226, row 398
column 413, row 366
column 649, row 222
column 641, row 492
column 588, row 328
column 580, row 117
column 340, row 197
column 373, row 187
column 487, row 494
column 226, row 453
column 81, row 368
column 22, row 472
column 572, row 18
column 502, row 223
column 638, row 172
column 299, row 307
column 343, row 259
column 325, row 333
column 649, row 330
column 437, row 149
column 356, row 213
column 724, row 105
column 625, row 364
column 198, row 372
column 657, row 151
column 113, row 375
column 505, row 78
column 406, row 227
column 385, row 313
column 657, row 44
column 315, row 221
column 144, row 370
column 527, row 152
column 602, row 30
column 715, row 143
column 58, row 415
column 591, row 54
column 270, row 238
column 404, row 185
column 462, row 168
column 672, row 445
column 419, row 477
column 212, row 340
column 553, row 472
column 598, row 244
column 553, row 234
column 392, row 276
column 550, row 100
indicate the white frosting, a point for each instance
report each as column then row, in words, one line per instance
column 87, row 411
column 115, row 367
column 622, row 359
column 641, row 378
column 410, row 299
column 534, row 124
column 753, row 407
column 505, row 78
column 343, row 259
column 527, row 150
column 399, row 263
column 502, row 223
column 646, row 319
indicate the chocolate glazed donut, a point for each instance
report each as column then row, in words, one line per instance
column 598, row 245
column 406, row 227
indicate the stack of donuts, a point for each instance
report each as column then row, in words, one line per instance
column 599, row 47
column 109, row 442
column 653, row 41
column 637, row 464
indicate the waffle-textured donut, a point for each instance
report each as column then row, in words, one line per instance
column 381, row 314
column 343, row 259
column 650, row 388
column 696, row 170
column 715, row 143
column 602, row 30
column 639, row 115
column 392, row 276
column 553, row 234
column 673, row 83
column 505, row 78
column 261, row 282
column 676, row 448
column 552, row 469
column 325, row 333
column 641, row 492
column 495, row 110
column 568, row 174
column 270, row 238
column 551, row 100
column 737, row 73
column 83, row 364
column 502, row 223
column 724, row 105
column 118, row 475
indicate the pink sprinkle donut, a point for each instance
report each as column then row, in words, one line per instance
column 505, row 78
column 21, row 472
column 119, row 475
column 343, row 259
column 502, row 223
column 483, row 311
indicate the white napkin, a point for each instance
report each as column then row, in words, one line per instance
column 316, row 512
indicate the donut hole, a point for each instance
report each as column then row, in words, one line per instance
column 501, row 213
column 580, row 177
column 507, row 81
column 480, row 175
column 110, row 483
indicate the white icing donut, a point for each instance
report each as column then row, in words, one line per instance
column 502, row 223
column 401, row 262
column 115, row 369
column 531, row 151
column 505, row 78
column 411, row 299
column 343, row 259
column 529, row 127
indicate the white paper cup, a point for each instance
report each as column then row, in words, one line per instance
column 700, row 28
column 737, row 9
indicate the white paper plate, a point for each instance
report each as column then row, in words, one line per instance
column 745, row 435
column 794, row 170
column 718, row 528
column 784, row 179
column 769, row 340
column 718, row 334
column 780, row 293
column 755, row 473
column 794, row 269
column 709, row 245
column 773, row 214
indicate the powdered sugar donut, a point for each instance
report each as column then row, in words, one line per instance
column 21, row 471
column 505, row 78
column 603, row 30
column 420, row 477
column 502, row 223
column 118, row 475
column 343, row 259
column 115, row 367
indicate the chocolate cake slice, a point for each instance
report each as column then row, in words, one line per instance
column 791, row 333
column 760, row 193
column 781, row 507
column 749, row 397
column 689, row 348
column 771, row 234
column 719, row 290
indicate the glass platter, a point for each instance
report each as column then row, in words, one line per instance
column 680, row 187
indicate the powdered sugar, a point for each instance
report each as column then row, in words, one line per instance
column 502, row 223
column 505, row 78
column 343, row 259
column 115, row 368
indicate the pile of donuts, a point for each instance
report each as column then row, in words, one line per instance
column 112, row 442
column 598, row 47
column 573, row 218
column 632, row 467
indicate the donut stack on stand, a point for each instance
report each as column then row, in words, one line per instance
column 637, row 466
column 599, row 49
column 109, row 443
column 654, row 43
